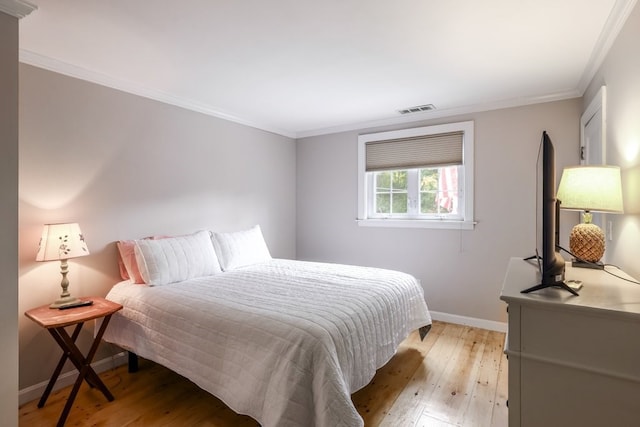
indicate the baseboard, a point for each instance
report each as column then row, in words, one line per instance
column 35, row 391
column 470, row 321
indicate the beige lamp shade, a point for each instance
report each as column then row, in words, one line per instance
column 590, row 189
column 61, row 241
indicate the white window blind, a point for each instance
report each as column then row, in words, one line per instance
column 435, row 150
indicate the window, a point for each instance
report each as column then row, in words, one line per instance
column 421, row 177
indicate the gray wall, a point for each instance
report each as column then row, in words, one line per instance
column 126, row 167
column 620, row 73
column 9, row 220
column 461, row 271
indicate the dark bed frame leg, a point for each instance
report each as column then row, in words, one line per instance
column 133, row 362
column 424, row 331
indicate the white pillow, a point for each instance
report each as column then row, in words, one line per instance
column 240, row 248
column 176, row 258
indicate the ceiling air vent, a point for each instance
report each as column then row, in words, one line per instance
column 417, row 109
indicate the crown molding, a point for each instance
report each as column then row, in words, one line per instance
column 17, row 8
column 437, row 114
column 616, row 20
column 57, row 66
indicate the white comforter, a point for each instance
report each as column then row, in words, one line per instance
column 285, row 342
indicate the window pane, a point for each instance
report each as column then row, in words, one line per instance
column 429, row 190
column 448, row 204
column 400, row 203
column 448, row 195
column 383, row 181
column 428, row 203
column 400, row 180
column 439, row 190
column 383, row 203
column 429, row 179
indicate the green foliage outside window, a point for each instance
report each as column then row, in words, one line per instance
column 391, row 192
column 428, row 191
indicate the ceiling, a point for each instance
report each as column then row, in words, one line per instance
column 302, row 67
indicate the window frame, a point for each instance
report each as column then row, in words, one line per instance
column 364, row 179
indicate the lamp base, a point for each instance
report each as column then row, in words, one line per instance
column 586, row 242
column 584, row 264
column 66, row 302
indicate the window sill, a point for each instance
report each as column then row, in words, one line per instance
column 417, row 223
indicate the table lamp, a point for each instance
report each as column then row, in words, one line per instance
column 589, row 189
column 61, row 242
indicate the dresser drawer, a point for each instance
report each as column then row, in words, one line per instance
column 581, row 339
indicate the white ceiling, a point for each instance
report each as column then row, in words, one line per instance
column 302, row 67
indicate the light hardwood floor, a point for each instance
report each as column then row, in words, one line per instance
column 456, row 377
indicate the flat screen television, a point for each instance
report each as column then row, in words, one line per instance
column 550, row 261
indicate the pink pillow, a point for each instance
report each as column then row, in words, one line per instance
column 123, row 269
column 127, row 261
column 128, row 265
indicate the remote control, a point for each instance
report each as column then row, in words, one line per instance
column 77, row 304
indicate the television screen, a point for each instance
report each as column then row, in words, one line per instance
column 550, row 261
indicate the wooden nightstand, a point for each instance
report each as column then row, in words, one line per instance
column 55, row 321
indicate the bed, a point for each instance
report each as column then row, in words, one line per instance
column 285, row 342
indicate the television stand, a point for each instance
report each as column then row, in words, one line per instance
column 560, row 285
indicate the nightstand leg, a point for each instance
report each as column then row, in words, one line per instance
column 82, row 363
column 56, row 372
column 70, row 399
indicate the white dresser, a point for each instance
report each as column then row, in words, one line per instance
column 573, row 361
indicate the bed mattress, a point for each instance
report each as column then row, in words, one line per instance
column 285, row 342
